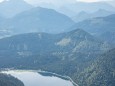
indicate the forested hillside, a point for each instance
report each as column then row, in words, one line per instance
column 8, row 80
column 100, row 73
column 66, row 53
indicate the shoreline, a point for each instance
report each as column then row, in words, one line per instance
column 41, row 71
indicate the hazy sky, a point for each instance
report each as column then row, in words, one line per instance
column 64, row 0
column 53, row 0
column 67, row 1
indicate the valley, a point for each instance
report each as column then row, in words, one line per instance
column 57, row 43
column 61, row 54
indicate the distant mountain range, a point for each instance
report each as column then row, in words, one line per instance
column 98, row 26
column 37, row 20
column 9, row 8
column 27, row 18
column 84, row 15
column 73, row 9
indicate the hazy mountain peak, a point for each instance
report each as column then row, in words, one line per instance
column 80, row 31
column 101, row 10
column 81, row 34
column 41, row 9
column 39, row 19
column 10, row 8
column 77, row 7
column 13, row 0
column 82, row 12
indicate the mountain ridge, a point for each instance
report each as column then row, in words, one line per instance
column 85, row 16
column 10, row 8
column 40, row 20
column 97, row 26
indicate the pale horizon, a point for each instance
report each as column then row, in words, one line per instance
column 69, row 1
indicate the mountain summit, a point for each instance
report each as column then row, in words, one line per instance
column 39, row 19
column 9, row 8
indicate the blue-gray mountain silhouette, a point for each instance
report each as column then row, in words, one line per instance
column 9, row 8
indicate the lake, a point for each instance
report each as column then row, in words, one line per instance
column 34, row 78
